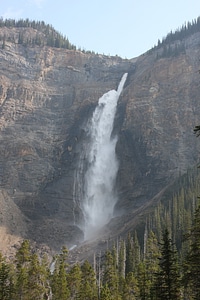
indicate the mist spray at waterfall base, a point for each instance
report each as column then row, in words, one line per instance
column 96, row 193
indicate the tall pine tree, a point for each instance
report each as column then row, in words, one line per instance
column 167, row 284
column 192, row 266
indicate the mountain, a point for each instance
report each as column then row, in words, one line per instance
column 47, row 95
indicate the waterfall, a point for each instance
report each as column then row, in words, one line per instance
column 95, row 186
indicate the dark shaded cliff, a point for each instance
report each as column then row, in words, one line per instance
column 47, row 95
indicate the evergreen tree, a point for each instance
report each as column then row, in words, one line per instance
column 143, row 281
column 6, row 280
column 131, row 289
column 122, row 259
column 59, row 279
column 22, row 260
column 110, row 276
column 167, row 284
column 150, row 260
column 45, row 275
column 121, row 267
column 129, row 255
column 37, row 279
column 106, row 293
column 192, row 266
column 74, row 278
column 89, row 290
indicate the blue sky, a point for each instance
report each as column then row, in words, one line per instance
column 127, row 28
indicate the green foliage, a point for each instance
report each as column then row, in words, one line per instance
column 176, row 209
column 143, row 281
column 131, row 291
column 36, row 279
column 59, row 278
column 6, row 280
column 132, row 253
column 183, row 32
column 168, row 278
column 110, row 276
column 192, row 261
column 148, row 269
column 46, row 34
column 74, row 279
column 22, row 260
column 152, row 276
column 106, row 293
column 173, row 44
column 88, row 289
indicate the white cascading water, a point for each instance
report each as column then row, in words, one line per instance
column 98, row 197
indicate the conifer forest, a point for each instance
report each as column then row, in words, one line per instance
column 160, row 260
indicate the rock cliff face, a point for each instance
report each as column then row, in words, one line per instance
column 46, row 96
column 161, row 109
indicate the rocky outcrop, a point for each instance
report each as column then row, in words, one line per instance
column 161, row 110
column 47, row 95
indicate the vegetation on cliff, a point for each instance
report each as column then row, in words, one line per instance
column 124, row 272
column 181, row 33
column 164, row 264
column 45, row 34
column 173, row 44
